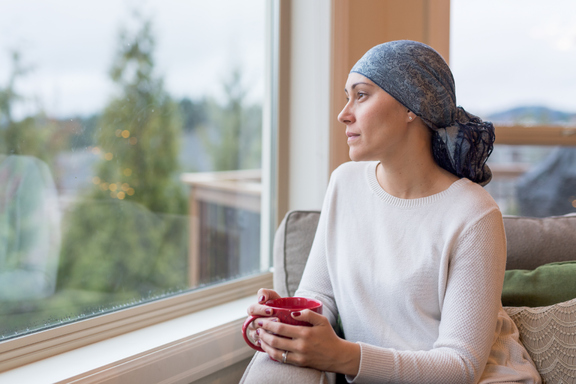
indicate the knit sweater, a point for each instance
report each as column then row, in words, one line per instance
column 416, row 282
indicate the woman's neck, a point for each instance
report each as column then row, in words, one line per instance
column 414, row 179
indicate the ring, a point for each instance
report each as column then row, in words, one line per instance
column 284, row 355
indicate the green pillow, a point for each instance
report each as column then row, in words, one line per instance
column 546, row 285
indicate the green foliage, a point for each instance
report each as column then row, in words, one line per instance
column 234, row 134
column 125, row 248
column 139, row 130
column 32, row 135
column 130, row 235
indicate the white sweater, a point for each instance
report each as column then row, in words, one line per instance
column 416, row 282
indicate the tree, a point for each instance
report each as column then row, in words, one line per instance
column 130, row 235
column 234, row 135
column 139, row 130
column 30, row 135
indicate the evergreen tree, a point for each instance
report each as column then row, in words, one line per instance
column 30, row 135
column 234, row 135
column 131, row 237
column 139, row 130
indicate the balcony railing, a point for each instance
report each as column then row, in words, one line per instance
column 224, row 210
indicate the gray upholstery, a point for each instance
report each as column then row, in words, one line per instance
column 536, row 241
column 292, row 245
column 262, row 370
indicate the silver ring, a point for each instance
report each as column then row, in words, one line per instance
column 284, row 355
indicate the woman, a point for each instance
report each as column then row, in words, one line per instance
column 410, row 250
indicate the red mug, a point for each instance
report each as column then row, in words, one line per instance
column 283, row 309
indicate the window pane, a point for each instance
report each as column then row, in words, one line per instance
column 513, row 65
column 130, row 153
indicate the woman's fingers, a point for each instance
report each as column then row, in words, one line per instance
column 260, row 309
column 310, row 317
column 267, row 294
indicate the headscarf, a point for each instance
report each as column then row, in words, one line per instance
column 419, row 78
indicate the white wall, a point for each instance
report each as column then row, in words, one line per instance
column 309, row 103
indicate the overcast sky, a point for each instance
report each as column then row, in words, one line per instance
column 504, row 53
column 508, row 53
column 70, row 45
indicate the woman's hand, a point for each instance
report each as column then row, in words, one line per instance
column 317, row 347
column 260, row 309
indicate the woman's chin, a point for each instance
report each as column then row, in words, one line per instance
column 355, row 156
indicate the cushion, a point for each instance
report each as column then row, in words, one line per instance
column 263, row 370
column 549, row 335
column 546, row 285
column 536, row 241
column 292, row 244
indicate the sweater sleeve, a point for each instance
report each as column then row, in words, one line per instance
column 315, row 282
column 468, row 321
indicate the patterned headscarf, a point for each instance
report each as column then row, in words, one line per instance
column 417, row 76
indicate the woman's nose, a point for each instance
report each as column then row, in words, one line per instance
column 345, row 116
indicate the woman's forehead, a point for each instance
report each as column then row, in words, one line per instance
column 354, row 79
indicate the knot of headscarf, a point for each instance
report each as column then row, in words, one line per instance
column 417, row 76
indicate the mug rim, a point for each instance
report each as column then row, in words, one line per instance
column 315, row 303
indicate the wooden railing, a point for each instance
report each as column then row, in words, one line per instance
column 224, row 210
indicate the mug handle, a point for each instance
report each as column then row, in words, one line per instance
column 245, row 327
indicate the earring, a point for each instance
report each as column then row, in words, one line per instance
column 410, row 117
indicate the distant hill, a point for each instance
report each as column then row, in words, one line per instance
column 532, row 115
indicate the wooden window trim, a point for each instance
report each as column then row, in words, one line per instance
column 536, row 135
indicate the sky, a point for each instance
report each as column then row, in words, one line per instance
column 69, row 46
column 504, row 53
column 509, row 53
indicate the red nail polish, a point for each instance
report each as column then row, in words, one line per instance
column 258, row 332
column 296, row 314
column 269, row 311
column 261, row 299
column 260, row 323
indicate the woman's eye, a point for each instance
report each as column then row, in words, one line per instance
column 360, row 95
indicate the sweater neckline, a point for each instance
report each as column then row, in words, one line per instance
column 408, row 203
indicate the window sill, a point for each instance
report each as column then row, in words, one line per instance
column 180, row 350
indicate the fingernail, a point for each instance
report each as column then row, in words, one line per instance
column 260, row 323
column 258, row 342
column 268, row 311
column 261, row 299
column 274, row 319
column 296, row 314
column 258, row 332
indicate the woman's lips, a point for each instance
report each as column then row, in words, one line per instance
column 352, row 136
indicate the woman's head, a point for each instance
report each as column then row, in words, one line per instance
column 377, row 125
column 418, row 78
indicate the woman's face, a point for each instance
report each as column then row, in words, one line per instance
column 376, row 123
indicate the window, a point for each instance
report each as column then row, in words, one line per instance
column 513, row 62
column 130, row 156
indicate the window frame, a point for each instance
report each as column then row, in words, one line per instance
column 535, row 135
